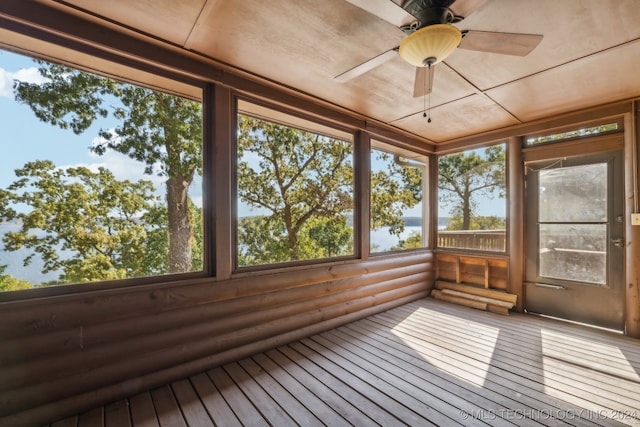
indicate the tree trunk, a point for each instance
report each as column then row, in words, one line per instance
column 179, row 224
column 466, row 211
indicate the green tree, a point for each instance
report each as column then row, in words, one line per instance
column 300, row 176
column 330, row 236
column 394, row 189
column 9, row 283
column 463, row 177
column 86, row 224
column 413, row 241
column 162, row 131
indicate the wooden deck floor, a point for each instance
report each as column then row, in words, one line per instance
column 425, row 363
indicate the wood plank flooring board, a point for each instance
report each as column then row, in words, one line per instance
column 533, row 324
column 422, row 374
column 524, row 385
column 423, row 363
column 517, row 353
column 364, row 396
column 397, row 400
column 323, row 412
column 518, row 370
column 192, row 408
column 606, row 396
column 599, row 353
column 609, row 382
column 239, row 403
column 212, row 399
column 143, row 413
column 167, row 409
column 533, row 351
column 117, row 414
column 268, row 407
column 445, row 398
column 519, row 365
column 279, row 394
column 511, row 385
column 589, row 397
column 445, row 394
column 294, row 365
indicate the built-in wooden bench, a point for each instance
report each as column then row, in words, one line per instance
column 474, row 281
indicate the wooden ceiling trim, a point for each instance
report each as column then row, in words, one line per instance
column 595, row 144
column 612, row 110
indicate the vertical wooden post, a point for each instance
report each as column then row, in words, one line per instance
column 515, row 220
column 224, row 155
column 632, row 205
column 208, row 181
column 486, row 273
column 433, row 201
column 362, row 210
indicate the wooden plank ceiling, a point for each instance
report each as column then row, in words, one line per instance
column 589, row 56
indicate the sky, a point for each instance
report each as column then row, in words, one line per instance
column 25, row 138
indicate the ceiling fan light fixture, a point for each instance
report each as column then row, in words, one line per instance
column 430, row 45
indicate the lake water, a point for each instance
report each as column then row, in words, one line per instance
column 33, row 272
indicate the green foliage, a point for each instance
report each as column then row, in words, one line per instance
column 8, row 283
column 412, row 242
column 330, row 236
column 465, row 177
column 86, row 224
column 262, row 240
column 394, row 189
column 162, row 131
column 300, row 176
column 477, row 223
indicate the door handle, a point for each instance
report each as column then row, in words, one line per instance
column 618, row 243
column 549, row 286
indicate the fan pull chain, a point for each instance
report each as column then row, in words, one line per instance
column 424, row 97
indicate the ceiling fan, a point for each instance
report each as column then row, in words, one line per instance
column 431, row 36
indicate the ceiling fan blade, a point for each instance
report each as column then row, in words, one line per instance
column 464, row 8
column 385, row 9
column 503, row 43
column 366, row 66
column 424, row 81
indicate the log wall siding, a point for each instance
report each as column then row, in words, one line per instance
column 63, row 354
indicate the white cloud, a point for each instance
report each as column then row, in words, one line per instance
column 29, row 75
column 123, row 168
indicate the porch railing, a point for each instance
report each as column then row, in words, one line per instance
column 486, row 240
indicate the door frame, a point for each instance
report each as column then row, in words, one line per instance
column 595, row 149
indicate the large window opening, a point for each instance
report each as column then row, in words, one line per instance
column 398, row 190
column 295, row 188
column 472, row 199
column 99, row 179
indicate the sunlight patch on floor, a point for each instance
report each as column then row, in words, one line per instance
column 587, row 353
column 466, row 353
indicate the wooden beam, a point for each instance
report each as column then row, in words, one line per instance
column 489, row 293
column 515, row 220
column 473, row 297
column 459, row 300
column 632, row 205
